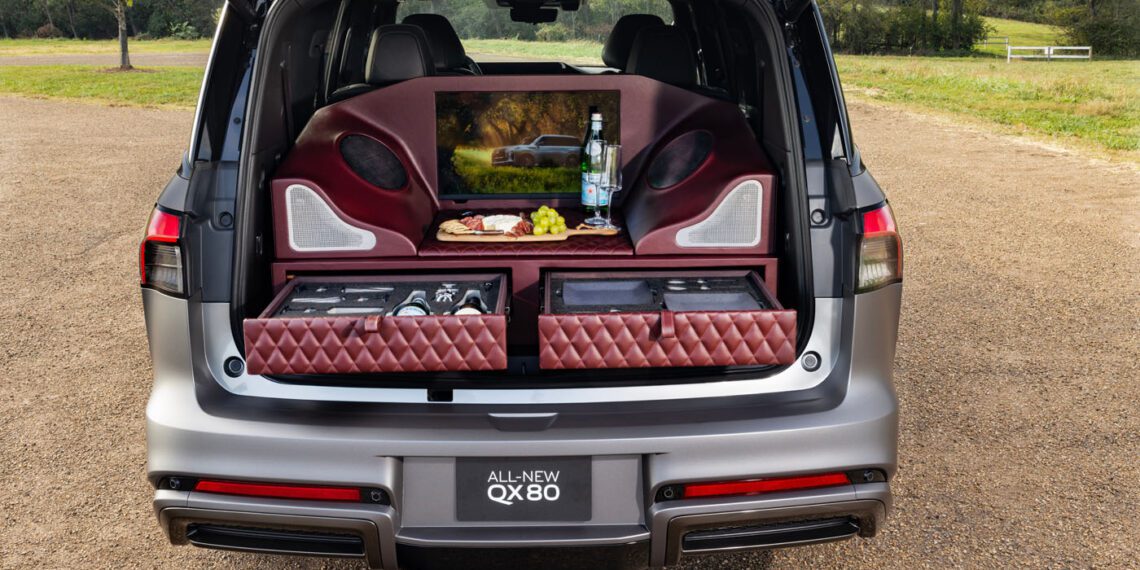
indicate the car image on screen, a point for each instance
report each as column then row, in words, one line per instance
column 546, row 150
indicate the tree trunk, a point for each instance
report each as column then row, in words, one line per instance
column 956, row 23
column 121, row 16
column 47, row 12
column 933, row 37
column 71, row 18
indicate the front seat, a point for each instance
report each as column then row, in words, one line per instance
column 397, row 52
column 446, row 48
column 664, row 53
column 618, row 46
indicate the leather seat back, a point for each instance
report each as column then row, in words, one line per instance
column 618, row 46
column 446, row 48
column 664, row 53
column 396, row 53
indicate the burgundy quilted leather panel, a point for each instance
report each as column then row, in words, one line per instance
column 648, row 340
column 344, row 345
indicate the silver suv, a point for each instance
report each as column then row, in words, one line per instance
column 340, row 369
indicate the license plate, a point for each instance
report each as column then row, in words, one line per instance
column 523, row 489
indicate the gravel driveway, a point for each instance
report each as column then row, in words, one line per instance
column 1017, row 366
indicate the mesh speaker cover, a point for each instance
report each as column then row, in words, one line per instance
column 374, row 162
column 734, row 223
column 314, row 226
column 680, row 159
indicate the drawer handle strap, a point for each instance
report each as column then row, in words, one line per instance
column 668, row 330
column 372, row 324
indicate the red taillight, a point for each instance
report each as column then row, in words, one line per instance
column 160, row 255
column 273, row 490
column 757, row 486
column 879, row 221
column 880, row 251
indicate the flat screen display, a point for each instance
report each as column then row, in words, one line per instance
column 517, row 144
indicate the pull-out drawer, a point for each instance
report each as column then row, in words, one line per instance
column 663, row 319
column 360, row 325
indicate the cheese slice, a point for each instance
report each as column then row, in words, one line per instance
column 500, row 223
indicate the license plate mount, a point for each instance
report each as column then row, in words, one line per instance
column 523, row 489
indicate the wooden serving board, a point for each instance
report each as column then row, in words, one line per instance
column 499, row 238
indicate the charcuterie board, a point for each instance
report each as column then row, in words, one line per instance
column 503, row 238
column 508, row 228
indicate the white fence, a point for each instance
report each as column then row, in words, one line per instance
column 1048, row 53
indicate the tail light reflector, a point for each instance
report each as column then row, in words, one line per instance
column 880, row 251
column 160, row 255
column 758, row 486
column 276, row 491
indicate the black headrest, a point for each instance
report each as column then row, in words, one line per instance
column 620, row 43
column 446, row 48
column 398, row 52
column 663, row 53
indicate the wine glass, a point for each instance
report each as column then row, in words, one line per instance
column 610, row 182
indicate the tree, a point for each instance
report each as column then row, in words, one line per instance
column 70, row 6
column 119, row 9
column 1111, row 27
column 50, row 22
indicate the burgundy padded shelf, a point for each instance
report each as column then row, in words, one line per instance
column 295, row 345
column 663, row 338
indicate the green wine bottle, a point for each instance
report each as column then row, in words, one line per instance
column 592, row 146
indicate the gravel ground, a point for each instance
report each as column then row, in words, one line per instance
column 109, row 59
column 1019, row 431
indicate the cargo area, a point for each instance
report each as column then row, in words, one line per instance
column 392, row 234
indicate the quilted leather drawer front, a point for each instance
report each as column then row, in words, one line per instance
column 665, row 339
column 349, row 345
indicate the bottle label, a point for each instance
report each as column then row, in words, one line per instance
column 591, row 196
column 591, row 178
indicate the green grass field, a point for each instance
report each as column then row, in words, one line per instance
column 1093, row 104
column 12, row 47
column 1020, row 34
column 159, row 86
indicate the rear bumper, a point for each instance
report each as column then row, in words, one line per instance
column 197, row 429
column 266, row 525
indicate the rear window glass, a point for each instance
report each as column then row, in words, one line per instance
column 576, row 37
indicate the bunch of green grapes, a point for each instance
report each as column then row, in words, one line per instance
column 547, row 221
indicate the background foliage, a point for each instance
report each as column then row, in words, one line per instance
column 1112, row 27
column 90, row 19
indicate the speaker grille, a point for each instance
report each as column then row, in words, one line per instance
column 680, row 159
column 314, row 226
column 734, row 223
column 374, row 162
